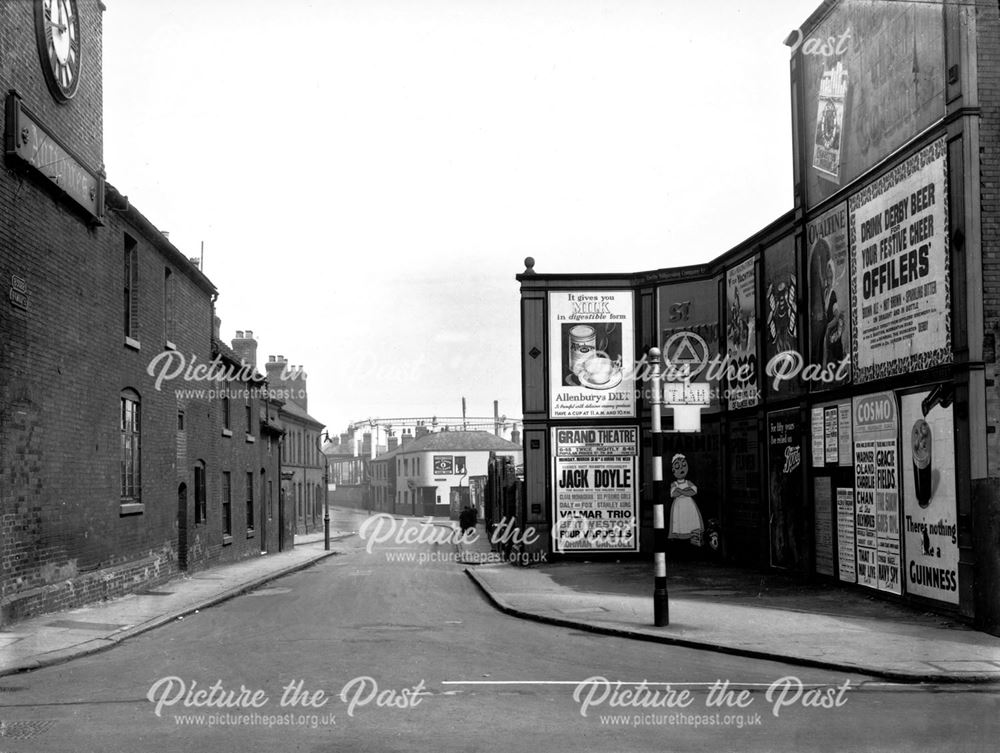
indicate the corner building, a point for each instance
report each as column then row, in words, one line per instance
column 109, row 481
column 849, row 347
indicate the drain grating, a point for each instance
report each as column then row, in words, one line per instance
column 80, row 625
column 24, row 730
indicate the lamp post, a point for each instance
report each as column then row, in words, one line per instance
column 326, row 489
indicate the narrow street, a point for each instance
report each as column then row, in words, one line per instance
column 367, row 629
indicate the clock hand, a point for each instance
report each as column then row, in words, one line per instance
column 62, row 27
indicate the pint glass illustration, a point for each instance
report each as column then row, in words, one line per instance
column 921, row 442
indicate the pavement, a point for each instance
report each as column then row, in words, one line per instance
column 713, row 607
column 55, row 638
column 747, row 613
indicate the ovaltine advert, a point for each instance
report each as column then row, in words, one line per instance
column 594, row 489
column 592, row 354
column 899, row 242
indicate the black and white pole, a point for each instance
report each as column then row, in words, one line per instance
column 661, row 609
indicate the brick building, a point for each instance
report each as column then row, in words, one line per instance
column 302, row 462
column 849, row 348
column 111, row 478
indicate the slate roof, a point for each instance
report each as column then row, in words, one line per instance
column 460, row 441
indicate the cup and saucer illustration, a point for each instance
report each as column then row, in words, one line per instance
column 599, row 373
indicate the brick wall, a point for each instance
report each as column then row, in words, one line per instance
column 79, row 122
column 988, row 48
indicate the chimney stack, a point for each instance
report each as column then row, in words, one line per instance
column 246, row 346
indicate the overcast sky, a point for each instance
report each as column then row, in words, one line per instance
column 367, row 176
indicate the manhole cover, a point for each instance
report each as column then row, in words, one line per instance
column 24, row 730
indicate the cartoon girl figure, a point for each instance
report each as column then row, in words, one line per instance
column 685, row 518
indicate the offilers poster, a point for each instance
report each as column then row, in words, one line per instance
column 592, row 354
column 899, row 247
column 876, row 479
column 741, row 334
column 594, row 489
column 929, row 503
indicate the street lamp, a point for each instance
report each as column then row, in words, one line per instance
column 326, row 489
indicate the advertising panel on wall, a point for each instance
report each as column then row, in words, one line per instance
column 823, row 524
column 595, row 489
column 591, row 354
column 742, row 516
column 901, row 312
column 688, row 316
column 929, row 503
column 782, row 344
column 830, row 427
column 829, row 298
column 789, row 542
column 846, row 536
column 876, row 479
column 873, row 76
column 741, row 334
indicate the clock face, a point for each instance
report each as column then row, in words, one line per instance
column 57, row 30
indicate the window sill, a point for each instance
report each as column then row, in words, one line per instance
column 251, row 438
column 251, row 533
column 227, row 433
column 131, row 508
column 168, row 345
column 132, row 343
column 226, row 540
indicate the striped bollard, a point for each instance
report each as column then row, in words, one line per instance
column 661, row 608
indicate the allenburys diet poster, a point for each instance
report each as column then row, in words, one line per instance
column 591, row 354
column 899, row 246
column 594, row 488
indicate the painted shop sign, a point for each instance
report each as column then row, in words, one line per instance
column 595, row 489
column 900, row 316
column 876, row 481
column 741, row 334
column 930, row 515
column 28, row 140
column 592, row 354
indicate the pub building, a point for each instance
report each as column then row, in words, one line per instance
column 844, row 356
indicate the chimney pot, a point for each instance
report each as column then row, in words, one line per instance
column 239, row 334
column 249, row 334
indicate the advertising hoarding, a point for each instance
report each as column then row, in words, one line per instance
column 688, row 316
column 901, row 312
column 592, row 354
column 827, row 262
column 873, row 77
column 741, row 334
column 876, row 479
column 930, row 515
column 789, row 543
column 595, row 489
column 782, row 343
